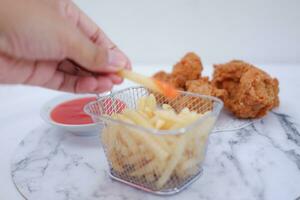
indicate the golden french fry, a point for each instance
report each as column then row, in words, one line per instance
column 171, row 140
column 137, row 118
column 167, row 107
column 189, row 164
column 186, row 119
column 124, row 151
column 151, row 102
column 175, row 158
column 105, row 136
column 138, row 158
column 141, row 79
column 150, row 143
column 150, row 177
column 130, row 142
column 141, row 103
column 115, row 161
column 147, row 168
column 167, row 116
column 145, row 115
column 124, row 119
column 162, row 142
column 111, row 136
column 149, row 112
column 159, row 123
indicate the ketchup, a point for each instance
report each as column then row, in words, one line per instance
column 71, row 112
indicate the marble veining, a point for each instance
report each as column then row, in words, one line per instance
column 258, row 162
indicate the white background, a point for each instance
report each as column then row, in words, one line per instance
column 156, row 31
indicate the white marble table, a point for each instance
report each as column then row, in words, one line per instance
column 259, row 162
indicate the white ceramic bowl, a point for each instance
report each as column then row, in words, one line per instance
column 80, row 130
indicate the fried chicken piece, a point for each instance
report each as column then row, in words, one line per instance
column 162, row 76
column 176, row 81
column 189, row 67
column 251, row 91
column 204, row 86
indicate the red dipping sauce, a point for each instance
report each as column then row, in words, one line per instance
column 71, row 112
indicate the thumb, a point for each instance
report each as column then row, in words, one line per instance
column 97, row 58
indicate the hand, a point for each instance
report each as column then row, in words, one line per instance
column 53, row 44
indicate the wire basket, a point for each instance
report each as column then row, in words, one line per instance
column 159, row 161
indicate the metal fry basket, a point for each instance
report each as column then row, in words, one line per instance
column 162, row 162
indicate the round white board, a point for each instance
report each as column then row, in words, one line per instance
column 52, row 164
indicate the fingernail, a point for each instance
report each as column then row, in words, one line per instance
column 117, row 59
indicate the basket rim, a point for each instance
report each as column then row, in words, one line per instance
column 215, row 112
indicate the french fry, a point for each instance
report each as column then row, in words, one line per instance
column 150, row 177
column 186, row 119
column 189, row 164
column 167, row 116
column 139, row 78
column 137, row 118
column 159, row 123
column 172, row 162
column 136, row 159
column 115, row 161
column 151, row 83
column 147, row 168
column 105, row 136
column 123, row 150
column 151, row 102
column 145, row 116
column 111, row 137
column 141, row 103
column 170, row 139
column 130, row 142
column 150, row 143
column 148, row 111
column 161, row 141
column 185, row 110
column 124, row 119
column 167, row 107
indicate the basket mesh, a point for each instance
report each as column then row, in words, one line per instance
column 154, row 162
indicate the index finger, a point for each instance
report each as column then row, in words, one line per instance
column 90, row 28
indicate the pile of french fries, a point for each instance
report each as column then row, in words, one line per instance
column 156, row 160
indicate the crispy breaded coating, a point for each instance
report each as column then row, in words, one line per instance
column 162, row 76
column 176, row 81
column 189, row 67
column 251, row 91
column 204, row 86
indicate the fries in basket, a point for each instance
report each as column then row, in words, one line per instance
column 156, row 161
